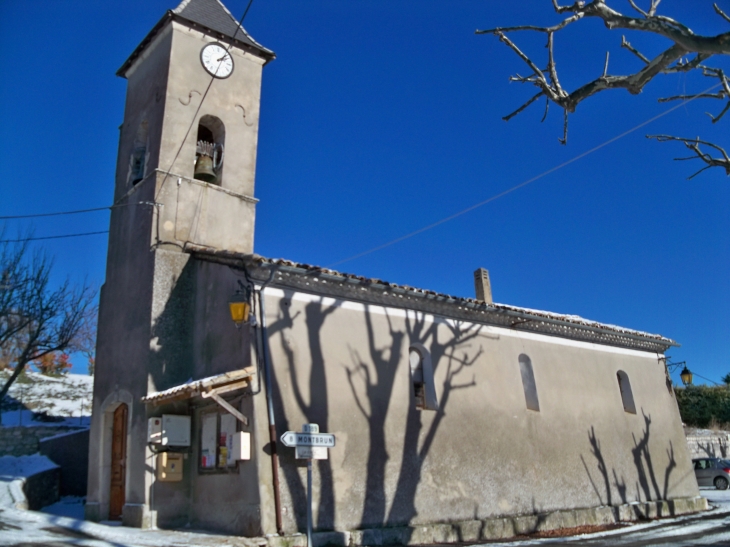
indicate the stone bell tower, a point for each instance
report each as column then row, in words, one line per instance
column 188, row 141
column 184, row 176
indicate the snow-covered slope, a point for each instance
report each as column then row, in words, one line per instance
column 35, row 399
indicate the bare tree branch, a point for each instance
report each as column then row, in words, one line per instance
column 686, row 52
column 721, row 13
column 637, row 8
column 625, row 44
column 564, row 140
column 508, row 117
column 694, row 145
column 715, row 119
column 547, row 107
column 724, row 93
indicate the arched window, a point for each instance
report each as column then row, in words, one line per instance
column 209, row 150
column 421, row 369
column 528, row 383
column 627, row 396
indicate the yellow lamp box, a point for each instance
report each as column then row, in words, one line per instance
column 239, row 307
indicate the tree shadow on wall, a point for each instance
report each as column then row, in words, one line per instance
column 647, row 486
column 714, row 450
column 316, row 410
column 376, row 377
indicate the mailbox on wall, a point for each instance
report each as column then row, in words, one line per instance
column 169, row 466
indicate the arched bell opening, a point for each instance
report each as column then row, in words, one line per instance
column 209, row 150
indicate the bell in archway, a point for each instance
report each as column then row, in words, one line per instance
column 204, row 169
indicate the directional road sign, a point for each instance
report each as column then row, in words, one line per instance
column 311, row 453
column 294, row 438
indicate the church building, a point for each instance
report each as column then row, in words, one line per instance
column 454, row 418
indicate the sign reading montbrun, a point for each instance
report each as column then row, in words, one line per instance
column 293, row 439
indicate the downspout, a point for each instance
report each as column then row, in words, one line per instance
column 270, row 403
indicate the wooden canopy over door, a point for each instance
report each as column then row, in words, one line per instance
column 119, row 463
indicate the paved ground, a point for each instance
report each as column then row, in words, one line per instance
column 33, row 529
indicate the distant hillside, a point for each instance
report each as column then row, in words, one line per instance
column 35, row 399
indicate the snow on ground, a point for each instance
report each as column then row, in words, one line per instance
column 36, row 399
column 31, row 527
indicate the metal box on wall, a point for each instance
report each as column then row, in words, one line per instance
column 169, row 430
column 241, row 446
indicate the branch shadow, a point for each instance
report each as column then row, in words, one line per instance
column 315, row 411
column 378, row 378
column 647, row 486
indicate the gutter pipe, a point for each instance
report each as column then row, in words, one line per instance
column 270, row 402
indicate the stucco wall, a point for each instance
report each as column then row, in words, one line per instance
column 344, row 365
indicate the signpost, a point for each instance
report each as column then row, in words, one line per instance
column 310, row 445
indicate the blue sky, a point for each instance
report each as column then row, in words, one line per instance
column 381, row 117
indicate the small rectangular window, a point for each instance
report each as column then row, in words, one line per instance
column 528, row 383
column 424, row 391
column 138, row 164
column 627, row 396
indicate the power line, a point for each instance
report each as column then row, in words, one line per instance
column 713, row 381
column 52, row 237
column 167, row 174
column 54, row 214
column 76, row 212
column 518, row 186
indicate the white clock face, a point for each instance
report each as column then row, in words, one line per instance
column 216, row 60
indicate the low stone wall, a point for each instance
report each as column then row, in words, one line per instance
column 709, row 446
column 496, row 528
column 24, row 441
column 42, row 488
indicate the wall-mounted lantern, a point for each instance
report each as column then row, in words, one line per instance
column 239, row 305
column 686, row 376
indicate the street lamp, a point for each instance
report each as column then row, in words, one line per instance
column 686, row 376
column 239, row 305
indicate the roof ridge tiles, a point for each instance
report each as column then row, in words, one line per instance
column 533, row 315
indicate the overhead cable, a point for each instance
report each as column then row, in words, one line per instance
column 52, row 237
column 518, row 186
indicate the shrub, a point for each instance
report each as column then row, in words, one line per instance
column 701, row 405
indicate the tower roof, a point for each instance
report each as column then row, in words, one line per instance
column 214, row 17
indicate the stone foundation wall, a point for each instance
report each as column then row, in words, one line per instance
column 24, row 441
column 496, row 528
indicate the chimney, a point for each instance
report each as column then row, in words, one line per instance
column 482, row 286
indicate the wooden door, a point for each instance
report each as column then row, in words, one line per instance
column 119, row 462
